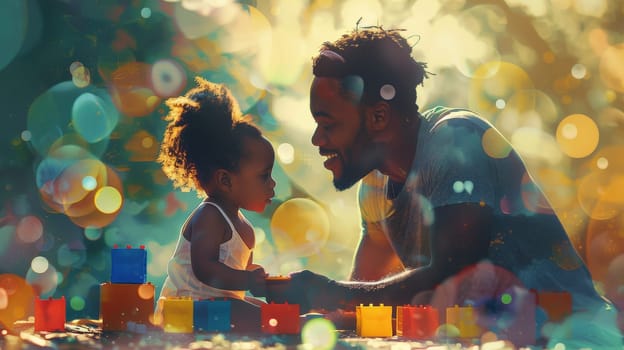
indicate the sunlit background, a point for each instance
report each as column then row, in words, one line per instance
column 82, row 91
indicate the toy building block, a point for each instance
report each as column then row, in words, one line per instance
column 128, row 265
column 49, row 314
column 280, row 318
column 178, row 315
column 212, row 315
column 556, row 305
column 121, row 303
column 465, row 319
column 373, row 321
column 417, row 322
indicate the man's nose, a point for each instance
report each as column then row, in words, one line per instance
column 318, row 139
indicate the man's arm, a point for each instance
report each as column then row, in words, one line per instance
column 374, row 258
column 459, row 238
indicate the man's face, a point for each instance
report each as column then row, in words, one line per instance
column 340, row 133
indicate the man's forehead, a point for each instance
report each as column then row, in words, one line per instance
column 325, row 88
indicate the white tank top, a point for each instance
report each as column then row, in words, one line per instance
column 181, row 281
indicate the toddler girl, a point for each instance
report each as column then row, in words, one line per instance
column 209, row 147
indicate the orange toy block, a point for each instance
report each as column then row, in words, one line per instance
column 557, row 305
column 373, row 321
column 122, row 303
column 178, row 315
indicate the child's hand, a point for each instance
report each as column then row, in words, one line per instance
column 257, row 284
column 252, row 267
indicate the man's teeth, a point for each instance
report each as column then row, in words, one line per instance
column 331, row 156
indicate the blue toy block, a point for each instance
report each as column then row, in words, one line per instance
column 212, row 315
column 129, row 265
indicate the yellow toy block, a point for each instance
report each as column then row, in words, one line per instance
column 465, row 319
column 373, row 321
column 178, row 315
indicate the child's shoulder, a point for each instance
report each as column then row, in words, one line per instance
column 209, row 216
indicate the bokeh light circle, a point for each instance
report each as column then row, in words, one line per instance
column 13, row 25
column 300, row 227
column 495, row 81
column 94, row 116
column 50, row 119
column 577, row 135
column 611, row 68
column 387, row 92
column 168, row 78
column 286, row 153
column 77, row 303
column 19, row 298
column 29, row 229
column 131, row 91
column 92, row 233
column 45, row 283
column 319, row 333
column 494, row 144
column 108, row 200
column 39, row 264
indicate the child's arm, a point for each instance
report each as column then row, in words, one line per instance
column 258, row 284
column 208, row 231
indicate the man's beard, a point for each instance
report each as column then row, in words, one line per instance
column 352, row 171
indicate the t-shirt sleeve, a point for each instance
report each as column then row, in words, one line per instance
column 455, row 168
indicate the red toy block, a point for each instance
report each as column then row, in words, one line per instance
column 49, row 314
column 417, row 322
column 280, row 318
column 121, row 303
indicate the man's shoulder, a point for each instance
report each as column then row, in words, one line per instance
column 440, row 117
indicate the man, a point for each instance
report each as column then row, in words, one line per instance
column 442, row 192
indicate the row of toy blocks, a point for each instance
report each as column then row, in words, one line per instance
column 128, row 265
column 421, row 322
column 123, row 306
column 50, row 314
column 184, row 315
column 515, row 320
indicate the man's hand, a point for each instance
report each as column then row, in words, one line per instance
column 312, row 292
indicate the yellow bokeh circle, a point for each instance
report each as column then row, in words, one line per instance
column 108, row 200
column 577, row 135
column 300, row 227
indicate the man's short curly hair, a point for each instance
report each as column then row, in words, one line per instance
column 205, row 133
column 379, row 57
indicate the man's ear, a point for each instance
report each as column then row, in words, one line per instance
column 223, row 179
column 378, row 116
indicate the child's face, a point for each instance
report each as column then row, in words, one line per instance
column 254, row 184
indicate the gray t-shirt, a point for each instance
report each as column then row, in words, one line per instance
column 461, row 158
